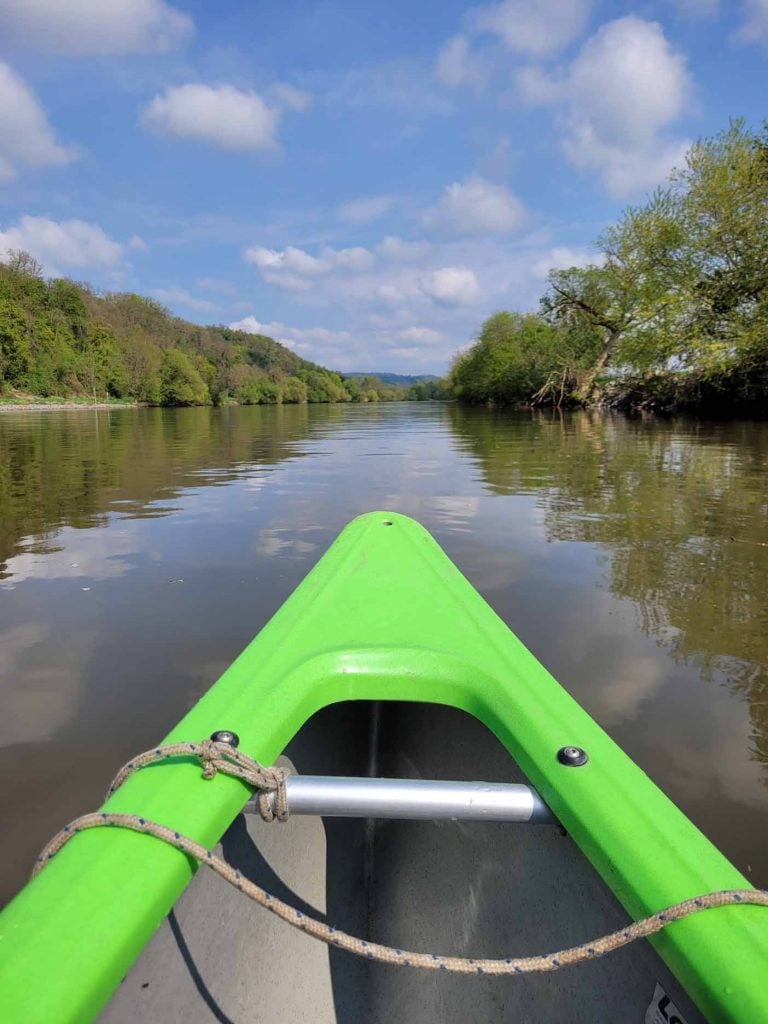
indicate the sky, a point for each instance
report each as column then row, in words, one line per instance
column 364, row 181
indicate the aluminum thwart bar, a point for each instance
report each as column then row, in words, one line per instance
column 341, row 797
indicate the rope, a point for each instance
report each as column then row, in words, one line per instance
column 221, row 757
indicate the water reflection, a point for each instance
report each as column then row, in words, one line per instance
column 141, row 550
column 75, row 468
column 681, row 510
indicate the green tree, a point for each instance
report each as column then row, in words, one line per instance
column 98, row 366
column 15, row 351
column 294, row 391
column 324, row 387
column 625, row 310
column 353, row 389
column 511, row 360
column 180, row 383
column 142, row 360
column 723, row 191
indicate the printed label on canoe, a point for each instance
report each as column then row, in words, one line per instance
column 662, row 1010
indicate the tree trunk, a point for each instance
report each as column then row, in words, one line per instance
column 586, row 389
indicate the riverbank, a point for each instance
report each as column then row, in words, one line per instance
column 732, row 394
column 34, row 403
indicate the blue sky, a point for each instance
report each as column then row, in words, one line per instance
column 363, row 181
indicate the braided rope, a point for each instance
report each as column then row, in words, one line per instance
column 220, row 757
column 232, row 762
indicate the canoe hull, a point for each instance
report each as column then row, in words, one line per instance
column 480, row 889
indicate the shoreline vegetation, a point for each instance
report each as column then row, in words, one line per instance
column 671, row 315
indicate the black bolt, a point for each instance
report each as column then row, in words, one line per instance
column 226, row 736
column 572, row 757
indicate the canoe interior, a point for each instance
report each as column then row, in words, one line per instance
column 468, row 889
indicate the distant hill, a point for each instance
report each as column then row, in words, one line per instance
column 398, row 379
column 59, row 338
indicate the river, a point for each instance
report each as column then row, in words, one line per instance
column 140, row 550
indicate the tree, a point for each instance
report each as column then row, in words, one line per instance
column 624, row 310
column 724, row 201
column 23, row 263
column 324, row 387
column 15, row 351
column 98, row 366
column 511, row 360
column 142, row 360
column 352, row 387
column 293, row 391
column 180, row 383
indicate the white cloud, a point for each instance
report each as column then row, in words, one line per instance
column 291, row 259
column 395, row 248
column 180, row 296
column 456, row 65
column 348, row 350
column 355, row 258
column 561, row 258
column 363, row 211
column 95, row 27
column 301, row 339
column 452, row 285
column 475, row 207
column 535, row 86
column 219, row 114
column 422, row 335
column 294, row 268
column 25, row 135
column 290, row 97
column 540, row 28
column 619, row 98
column 64, row 245
column 419, row 301
column 755, row 27
column 137, row 243
column 251, row 325
column 409, row 353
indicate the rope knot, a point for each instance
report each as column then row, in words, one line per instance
column 268, row 782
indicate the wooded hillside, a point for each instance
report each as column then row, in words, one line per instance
column 58, row 337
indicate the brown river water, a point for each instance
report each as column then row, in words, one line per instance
column 140, row 550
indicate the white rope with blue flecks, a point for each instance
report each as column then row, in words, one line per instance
column 222, row 757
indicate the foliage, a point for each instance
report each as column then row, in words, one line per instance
column 724, row 185
column 59, row 338
column 370, row 388
column 680, row 290
column 428, row 390
column 511, row 360
column 180, row 383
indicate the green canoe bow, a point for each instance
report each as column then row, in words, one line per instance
column 384, row 615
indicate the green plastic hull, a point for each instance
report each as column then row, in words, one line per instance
column 383, row 616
